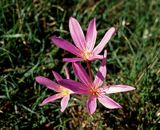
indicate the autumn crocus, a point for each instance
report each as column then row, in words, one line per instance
column 95, row 90
column 62, row 92
column 84, row 46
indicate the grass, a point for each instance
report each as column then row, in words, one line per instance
column 26, row 51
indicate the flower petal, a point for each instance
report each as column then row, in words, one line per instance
column 91, row 34
column 104, row 41
column 77, row 33
column 74, row 86
column 96, row 57
column 48, row 83
column 91, row 104
column 72, row 59
column 81, row 73
column 117, row 88
column 64, row 102
column 101, row 74
column 51, row 99
column 56, row 76
column 67, row 72
column 108, row 102
column 65, row 45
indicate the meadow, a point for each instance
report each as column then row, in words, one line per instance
column 26, row 51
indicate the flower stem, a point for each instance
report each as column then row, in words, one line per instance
column 89, row 69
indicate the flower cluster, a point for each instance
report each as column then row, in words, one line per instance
column 85, row 51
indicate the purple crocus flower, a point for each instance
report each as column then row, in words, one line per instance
column 62, row 92
column 84, row 46
column 95, row 90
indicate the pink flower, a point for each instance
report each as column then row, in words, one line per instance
column 95, row 90
column 84, row 46
column 62, row 92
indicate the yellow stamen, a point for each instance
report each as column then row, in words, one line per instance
column 94, row 91
column 86, row 55
column 65, row 91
